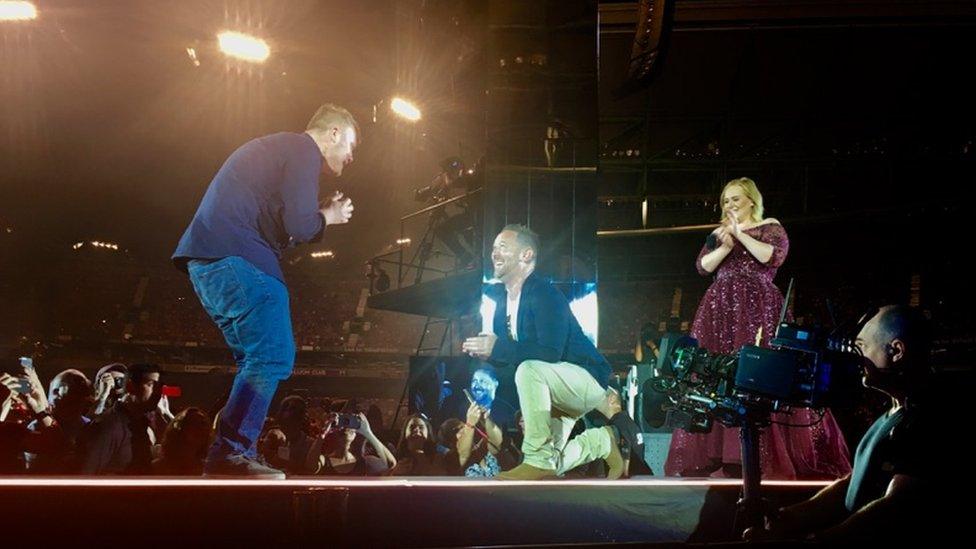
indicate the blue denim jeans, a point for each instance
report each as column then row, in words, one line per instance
column 251, row 308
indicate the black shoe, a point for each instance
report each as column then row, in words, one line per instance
column 630, row 443
column 615, row 459
column 238, row 466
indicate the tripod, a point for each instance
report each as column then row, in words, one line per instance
column 750, row 509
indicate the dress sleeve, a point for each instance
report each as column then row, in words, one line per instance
column 775, row 235
column 698, row 262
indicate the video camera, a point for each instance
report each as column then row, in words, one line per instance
column 453, row 174
column 802, row 368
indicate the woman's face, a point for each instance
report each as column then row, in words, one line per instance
column 350, row 434
column 416, row 428
column 736, row 203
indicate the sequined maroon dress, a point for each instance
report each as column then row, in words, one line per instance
column 741, row 299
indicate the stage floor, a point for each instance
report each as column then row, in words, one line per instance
column 416, row 512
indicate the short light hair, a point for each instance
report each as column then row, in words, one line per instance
column 526, row 237
column 749, row 188
column 332, row 116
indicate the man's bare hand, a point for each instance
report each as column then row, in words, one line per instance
column 480, row 346
column 338, row 210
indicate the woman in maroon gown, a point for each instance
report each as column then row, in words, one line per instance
column 741, row 301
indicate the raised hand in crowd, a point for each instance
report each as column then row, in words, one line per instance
column 164, row 410
column 381, row 450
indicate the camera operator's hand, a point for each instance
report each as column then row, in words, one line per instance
column 441, row 182
column 780, row 525
column 480, row 346
column 338, row 210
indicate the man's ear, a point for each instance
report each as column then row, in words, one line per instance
column 527, row 255
column 896, row 350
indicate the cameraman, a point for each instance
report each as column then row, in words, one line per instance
column 453, row 230
column 896, row 464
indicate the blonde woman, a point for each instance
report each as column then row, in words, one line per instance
column 743, row 254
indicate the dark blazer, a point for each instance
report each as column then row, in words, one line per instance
column 547, row 330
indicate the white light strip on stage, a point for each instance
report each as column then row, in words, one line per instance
column 379, row 483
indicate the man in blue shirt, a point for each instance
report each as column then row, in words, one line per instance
column 262, row 200
column 560, row 376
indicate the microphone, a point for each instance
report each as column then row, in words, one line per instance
column 711, row 241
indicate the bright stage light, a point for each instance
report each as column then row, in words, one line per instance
column 487, row 311
column 17, row 11
column 98, row 244
column 243, row 46
column 328, row 254
column 586, row 309
column 405, row 109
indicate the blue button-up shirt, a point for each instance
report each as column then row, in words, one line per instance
column 264, row 199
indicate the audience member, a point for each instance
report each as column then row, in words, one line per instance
column 416, row 452
column 344, row 450
column 465, row 456
column 70, row 399
column 118, row 441
column 184, row 444
column 109, row 387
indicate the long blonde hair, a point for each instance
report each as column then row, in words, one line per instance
column 749, row 188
